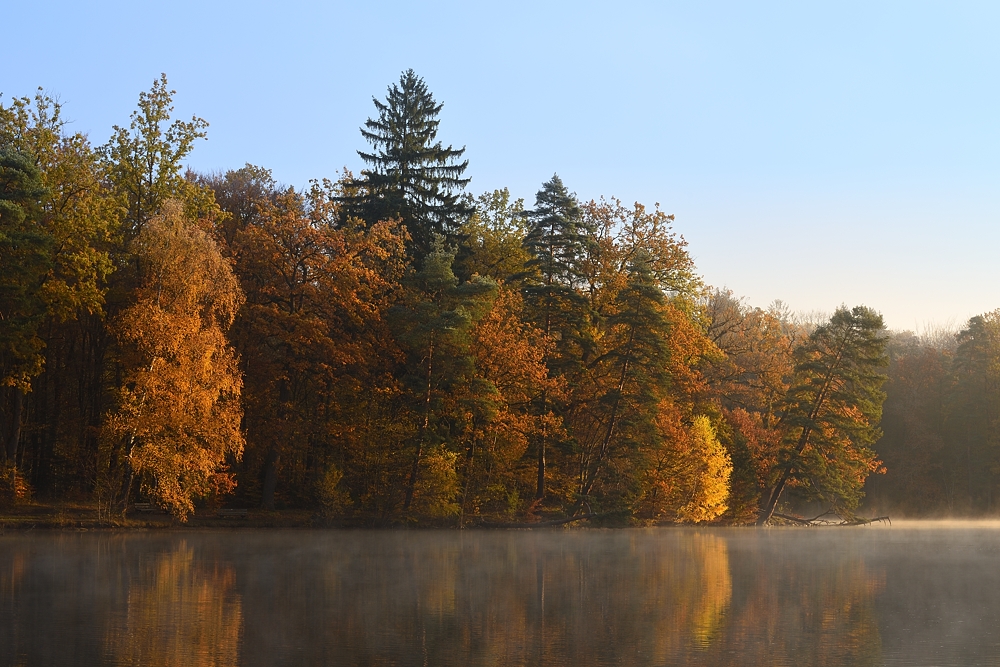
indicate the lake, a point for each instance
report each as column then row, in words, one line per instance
column 909, row 594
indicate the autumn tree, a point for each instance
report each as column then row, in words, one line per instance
column 143, row 161
column 74, row 216
column 510, row 372
column 700, row 475
column 636, row 360
column 179, row 416
column 618, row 234
column 750, row 379
column 493, row 237
column 634, row 402
column 242, row 194
column 831, row 412
column 316, row 352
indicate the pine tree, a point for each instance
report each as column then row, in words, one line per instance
column 832, row 411
column 556, row 241
column 410, row 175
column 637, row 360
column 433, row 329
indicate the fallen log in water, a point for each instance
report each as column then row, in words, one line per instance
column 843, row 521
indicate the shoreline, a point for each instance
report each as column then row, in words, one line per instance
column 84, row 516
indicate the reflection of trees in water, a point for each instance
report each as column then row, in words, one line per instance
column 11, row 573
column 789, row 610
column 594, row 599
column 12, row 569
column 583, row 599
column 716, row 589
column 559, row 598
column 181, row 611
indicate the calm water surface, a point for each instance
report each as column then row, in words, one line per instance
column 910, row 594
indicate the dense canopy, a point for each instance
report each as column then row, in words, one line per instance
column 387, row 348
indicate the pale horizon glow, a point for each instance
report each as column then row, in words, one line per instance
column 817, row 154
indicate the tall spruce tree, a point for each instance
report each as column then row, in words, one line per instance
column 557, row 240
column 410, row 175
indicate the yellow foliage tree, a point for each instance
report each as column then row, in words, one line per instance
column 705, row 474
column 689, row 479
column 437, row 486
column 179, row 415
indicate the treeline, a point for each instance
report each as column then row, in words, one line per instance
column 386, row 348
column 942, row 423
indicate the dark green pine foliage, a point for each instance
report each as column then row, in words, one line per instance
column 410, row 175
column 637, row 360
column 26, row 258
column 832, row 412
column 556, row 243
column 433, row 329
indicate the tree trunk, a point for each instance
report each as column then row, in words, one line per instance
column 772, row 501
column 415, row 469
column 470, row 458
column 13, row 435
column 540, row 481
column 588, row 483
column 270, row 479
column 128, row 476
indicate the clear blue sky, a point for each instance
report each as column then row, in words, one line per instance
column 818, row 153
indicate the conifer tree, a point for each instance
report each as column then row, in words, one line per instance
column 832, row 411
column 25, row 255
column 556, row 242
column 410, row 174
column 637, row 359
column 434, row 331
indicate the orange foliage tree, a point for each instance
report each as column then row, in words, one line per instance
column 179, row 414
column 314, row 345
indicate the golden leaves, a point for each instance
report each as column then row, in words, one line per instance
column 180, row 413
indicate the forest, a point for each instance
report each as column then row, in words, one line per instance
column 388, row 348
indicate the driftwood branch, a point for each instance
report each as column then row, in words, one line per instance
column 820, row 521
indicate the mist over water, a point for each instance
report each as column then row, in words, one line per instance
column 912, row 593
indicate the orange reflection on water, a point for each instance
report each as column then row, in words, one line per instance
column 182, row 611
